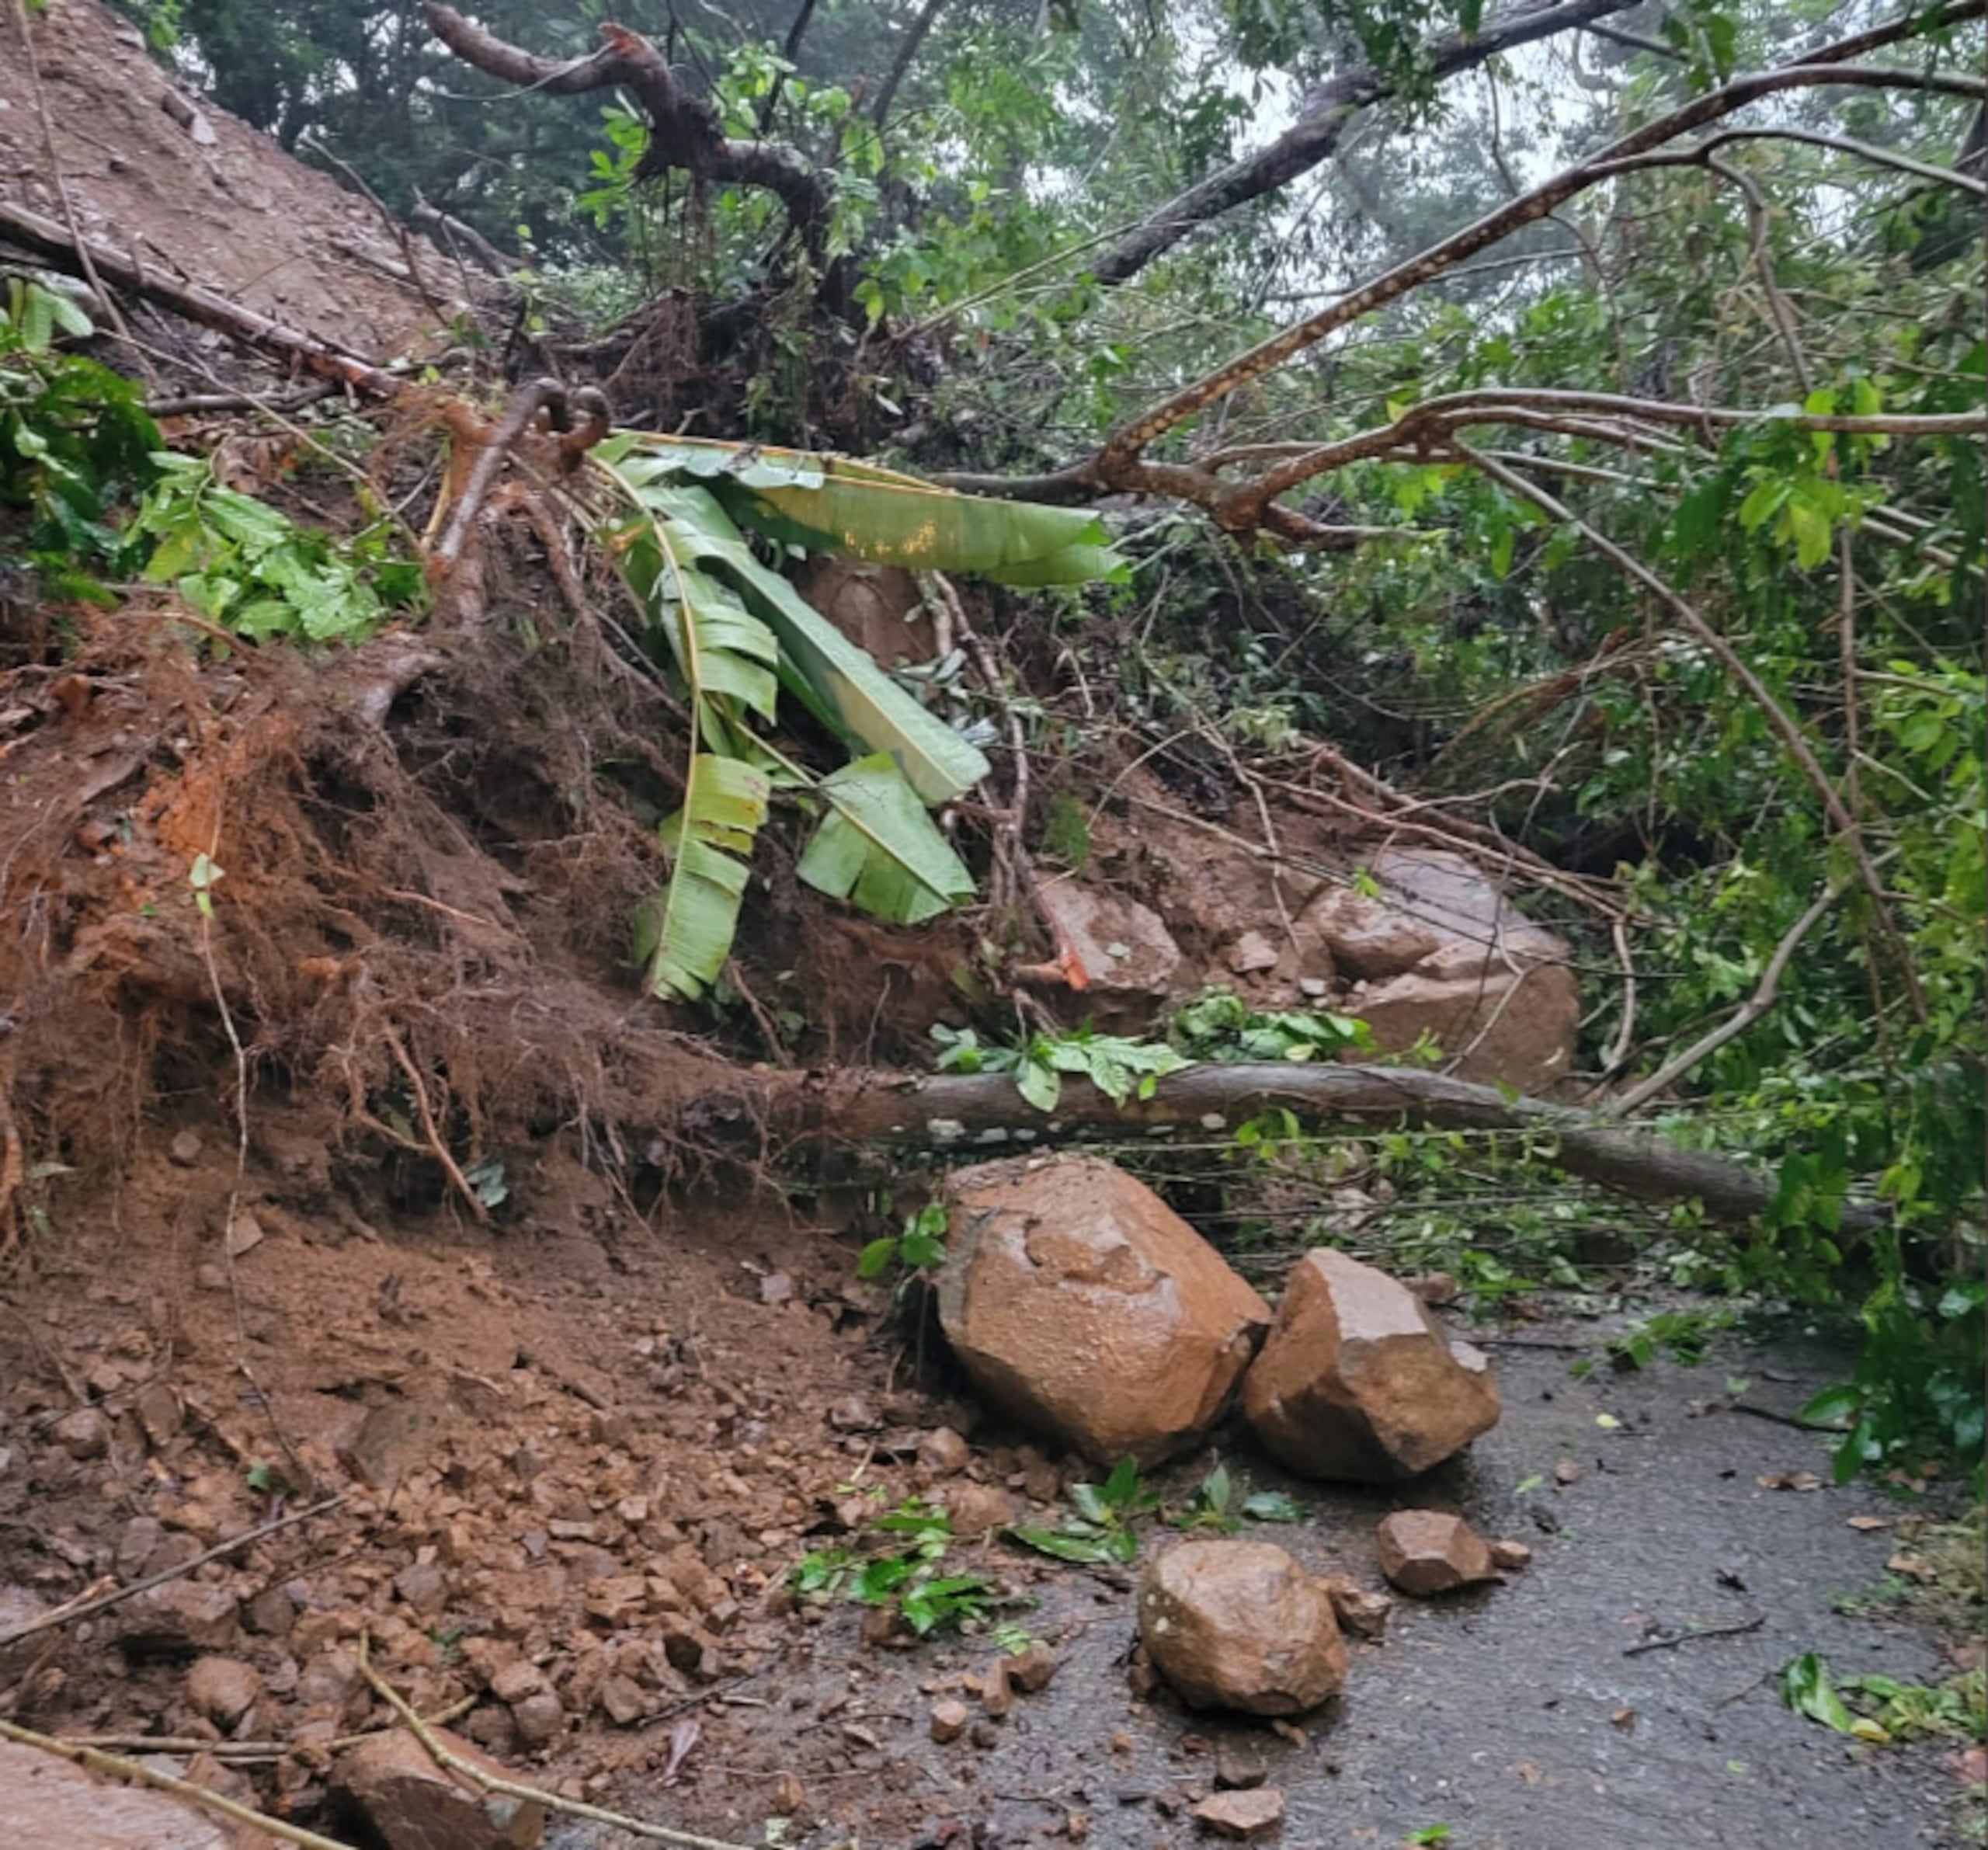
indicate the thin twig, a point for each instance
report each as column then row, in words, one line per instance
column 436, row 1148
column 95, row 1761
column 62, row 1615
column 440, row 1753
column 1665, row 1644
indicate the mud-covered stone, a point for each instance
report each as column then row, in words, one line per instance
column 180, row 1619
column 409, row 1803
column 1085, row 1308
column 1239, row 1624
column 1357, row 1381
column 47, row 1804
column 1424, row 1551
column 224, row 1689
column 1516, row 1028
column 1360, row 1610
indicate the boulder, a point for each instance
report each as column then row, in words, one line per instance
column 1239, row 1624
column 1437, row 949
column 47, row 1804
column 1085, row 1308
column 1514, row 1027
column 1424, row 1551
column 1358, row 1380
column 408, row 1803
column 1124, row 947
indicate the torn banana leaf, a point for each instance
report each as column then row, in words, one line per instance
column 878, row 848
column 684, row 934
column 829, row 504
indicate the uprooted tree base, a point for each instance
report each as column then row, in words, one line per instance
column 428, row 853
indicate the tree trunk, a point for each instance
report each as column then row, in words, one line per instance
column 984, row 1113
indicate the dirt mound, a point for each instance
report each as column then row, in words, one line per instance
column 189, row 191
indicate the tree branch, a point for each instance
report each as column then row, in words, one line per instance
column 684, row 130
column 908, row 50
column 1328, row 111
column 1779, row 720
column 1735, row 1024
column 983, row 1113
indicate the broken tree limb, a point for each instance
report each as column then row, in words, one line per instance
column 79, row 256
column 984, row 1112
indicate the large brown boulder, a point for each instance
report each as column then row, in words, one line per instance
column 47, row 1804
column 1239, row 1624
column 1085, row 1309
column 1358, row 1380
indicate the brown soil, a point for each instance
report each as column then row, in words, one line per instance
column 208, row 200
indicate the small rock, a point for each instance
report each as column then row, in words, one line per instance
column 977, row 1510
column 516, row 1681
column 776, row 1288
column 271, row 1612
column 789, row 1795
column 424, row 1586
column 1251, row 952
column 1434, row 1288
column 410, row 1803
column 1363, row 1613
column 622, row 1700
column 185, row 1149
column 244, row 1235
column 541, row 1717
column 224, row 1689
column 84, row 1434
column 1510, row 1556
column 1238, row 1625
column 1030, row 1671
column 997, row 1694
column 1567, row 1472
column 159, row 1413
column 1243, row 1814
column 1357, row 1381
column 985, row 1734
column 942, row 1452
column 949, row 1721
column 179, row 1619
column 1424, row 1551
column 1237, row 1769
column 135, row 1543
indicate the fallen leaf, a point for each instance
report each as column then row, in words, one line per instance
column 1868, row 1522
column 1624, row 1718
column 684, row 1739
column 1607, row 1422
column 1915, row 1567
column 1790, row 1480
column 1528, row 1772
column 1971, row 1765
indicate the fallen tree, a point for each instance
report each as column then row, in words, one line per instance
column 984, row 1112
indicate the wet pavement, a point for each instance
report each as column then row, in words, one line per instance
column 1514, row 1715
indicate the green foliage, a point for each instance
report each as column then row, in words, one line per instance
column 250, row 569
column 1118, row 1067
column 739, row 633
column 1214, row 1505
column 1217, row 1024
column 1880, row 1709
column 1101, row 1523
column 898, row 1566
column 1917, row 1382
column 920, row 1248
column 74, row 443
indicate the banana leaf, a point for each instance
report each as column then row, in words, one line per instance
column 828, row 504
column 684, row 934
column 878, row 847
column 831, row 675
